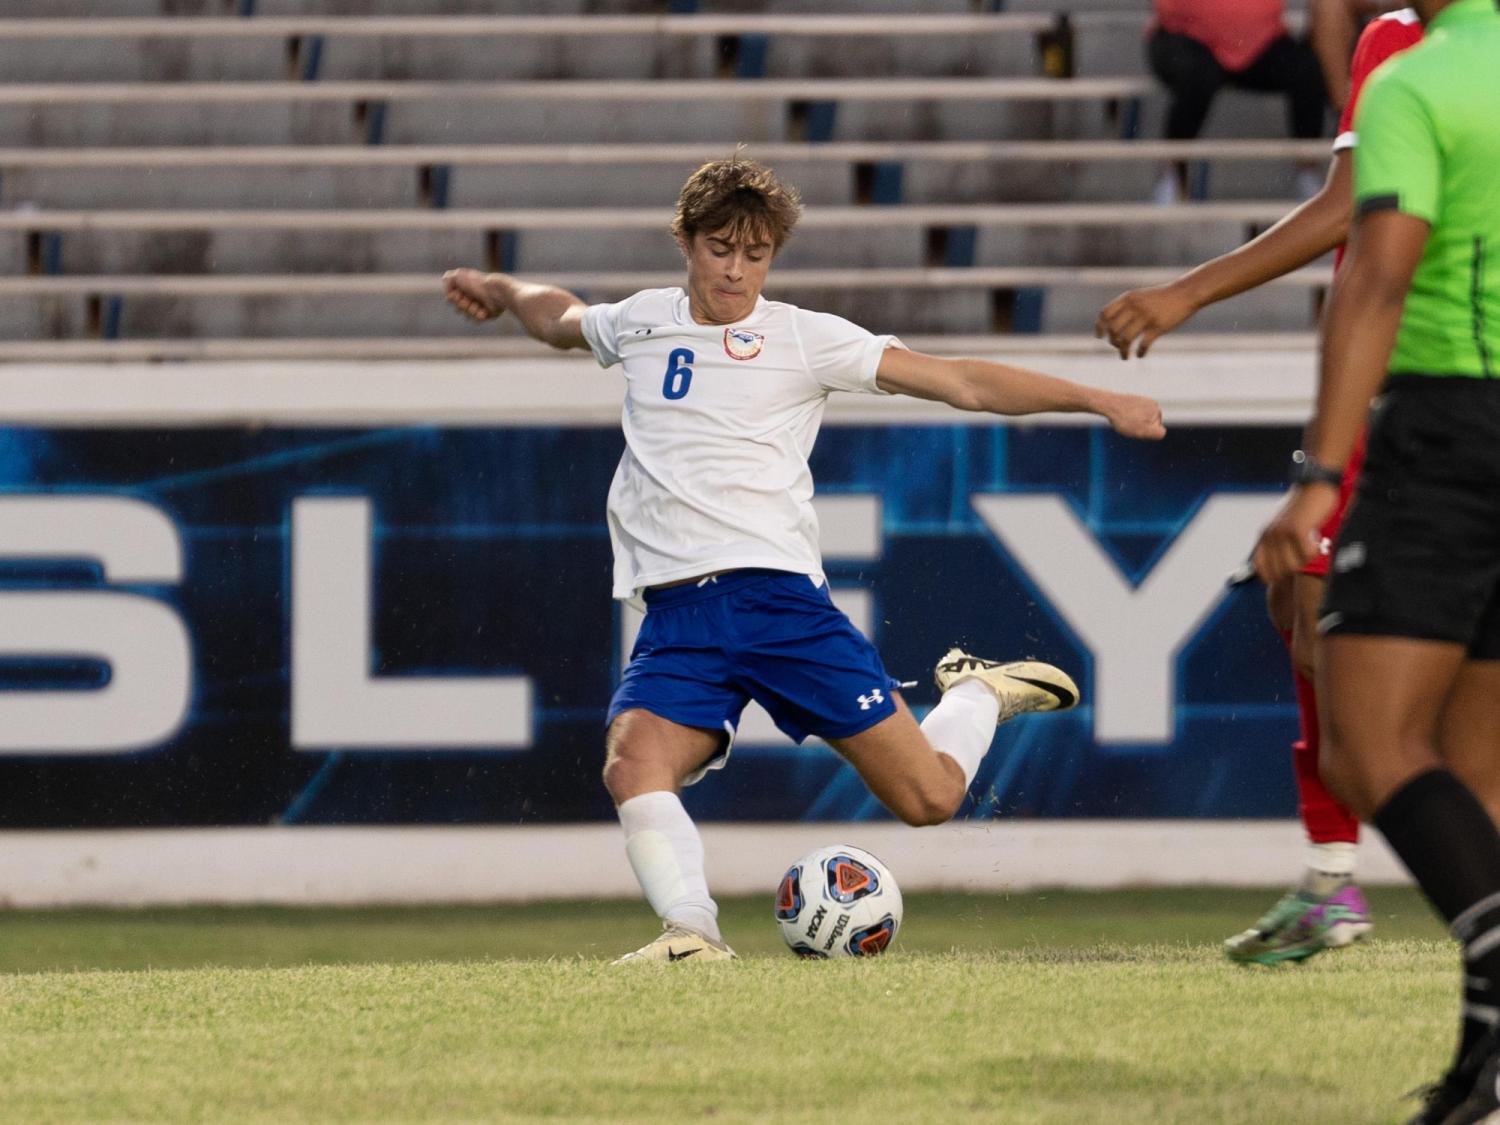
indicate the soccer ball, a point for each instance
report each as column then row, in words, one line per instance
column 838, row 901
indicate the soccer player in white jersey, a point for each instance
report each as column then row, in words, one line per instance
column 711, row 522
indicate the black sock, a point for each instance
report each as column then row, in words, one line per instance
column 1450, row 845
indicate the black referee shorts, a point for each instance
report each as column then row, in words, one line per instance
column 1419, row 553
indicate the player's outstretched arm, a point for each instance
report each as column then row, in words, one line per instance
column 999, row 388
column 552, row 315
column 1143, row 315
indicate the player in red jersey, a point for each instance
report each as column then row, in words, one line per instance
column 1326, row 909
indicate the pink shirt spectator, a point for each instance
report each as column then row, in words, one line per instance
column 1236, row 31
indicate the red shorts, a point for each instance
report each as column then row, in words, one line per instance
column 1328, row 535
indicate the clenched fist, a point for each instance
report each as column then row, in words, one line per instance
column 471, row 293
column 1135, row 416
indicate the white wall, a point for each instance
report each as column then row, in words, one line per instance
column 358, row 866
column 1202, row 380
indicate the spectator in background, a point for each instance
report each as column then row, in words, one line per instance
column 1198, row 46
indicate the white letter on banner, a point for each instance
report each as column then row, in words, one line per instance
column 1135, row 633
column 848, row 529
column 142, row 640
column 336, row 702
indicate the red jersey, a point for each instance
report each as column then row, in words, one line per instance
column 1389, row 35
column 1237, row 32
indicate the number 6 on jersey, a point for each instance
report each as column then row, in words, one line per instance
column 679, row 375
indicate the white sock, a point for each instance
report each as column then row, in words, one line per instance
column 963, row 725
column 1332, row 859
column 666, row 853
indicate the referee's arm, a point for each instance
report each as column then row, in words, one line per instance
column 1363, row 318
column 1396, row 186
column 1398, row 173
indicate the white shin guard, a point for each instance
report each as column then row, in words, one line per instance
column 666, row 854
column 962, row 725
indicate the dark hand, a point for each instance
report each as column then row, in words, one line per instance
column 1292, row 536
column 1141, row 316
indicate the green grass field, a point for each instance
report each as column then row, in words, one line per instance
column 1044, row 1007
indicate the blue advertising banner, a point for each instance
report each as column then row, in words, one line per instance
column 215, row 626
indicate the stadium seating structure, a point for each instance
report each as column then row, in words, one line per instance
column 201, row 173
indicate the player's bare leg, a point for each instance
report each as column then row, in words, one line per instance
column 644, row 753
column 920, row 785
column 647, row 759
column 922, row 773
column 1381, row 699
column 1384, row 701
column 1325, row 909
column 1281, row 605
column 1469, row 743
column 1469, row 731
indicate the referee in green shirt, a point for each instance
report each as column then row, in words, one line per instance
column 1410, row 675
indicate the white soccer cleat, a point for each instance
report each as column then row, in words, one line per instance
column 678, row 943
column 1022, row 686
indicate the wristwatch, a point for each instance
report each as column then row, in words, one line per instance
column 1306, row 469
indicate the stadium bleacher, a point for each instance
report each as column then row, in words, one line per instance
column 233, row 171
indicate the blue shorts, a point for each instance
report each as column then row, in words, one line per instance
column 705, row 651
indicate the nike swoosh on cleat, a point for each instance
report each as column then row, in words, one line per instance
column 1065, row 698
column 683, row 956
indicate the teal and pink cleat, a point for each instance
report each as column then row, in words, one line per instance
column 1303, row 924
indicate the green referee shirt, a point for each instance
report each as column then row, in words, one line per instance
column 1429, row 146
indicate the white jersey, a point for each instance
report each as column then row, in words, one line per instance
column 719, row 422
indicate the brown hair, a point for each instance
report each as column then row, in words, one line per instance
column 739, row 194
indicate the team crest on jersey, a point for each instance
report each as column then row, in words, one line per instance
column 740, row 344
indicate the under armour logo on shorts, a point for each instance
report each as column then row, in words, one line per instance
column 875, row 696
